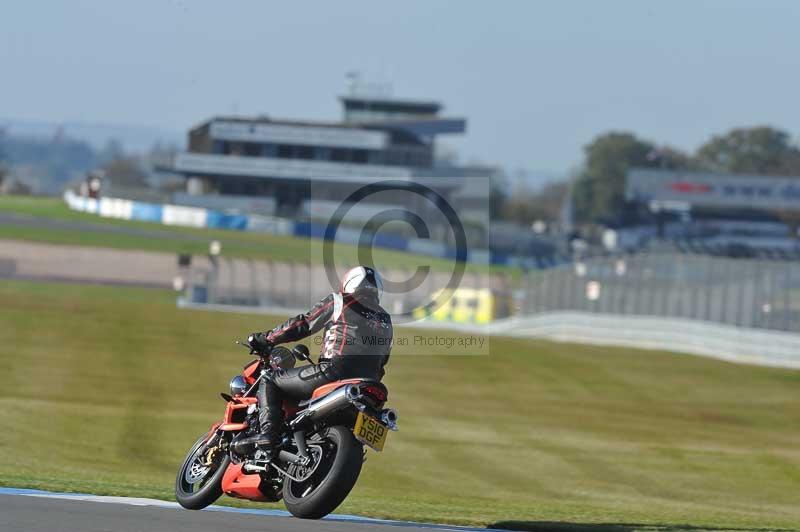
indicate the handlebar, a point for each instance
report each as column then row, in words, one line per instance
column 253, row 350
column 264, row 355
column 300, row 352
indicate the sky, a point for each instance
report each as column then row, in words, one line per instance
column 536, row 80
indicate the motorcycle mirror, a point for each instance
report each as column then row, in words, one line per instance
column 300, row 352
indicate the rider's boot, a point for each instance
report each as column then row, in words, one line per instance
column 267, row 441
column 270, row 418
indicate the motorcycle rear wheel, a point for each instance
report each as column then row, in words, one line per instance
column 331, row 482
column 208, row 486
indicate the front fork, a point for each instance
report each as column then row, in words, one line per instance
column 213, row 448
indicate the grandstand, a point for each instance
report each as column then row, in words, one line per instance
column 294, row 168
column 717, row 214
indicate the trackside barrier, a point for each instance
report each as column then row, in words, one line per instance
column 200, row 217
column 153, row 212
column 715, row 340
column 723, row 342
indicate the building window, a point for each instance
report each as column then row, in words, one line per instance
column 304, row 152
column 285, row 151
column 338, row 154
column 251, row 149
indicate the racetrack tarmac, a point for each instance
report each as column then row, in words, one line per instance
column 33, row 511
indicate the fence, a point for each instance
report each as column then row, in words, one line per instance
column 740, row 292
column 746, row 293
column 295, row 285
column 187, row 216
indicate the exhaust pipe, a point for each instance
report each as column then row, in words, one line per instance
column 328, row 404
column 389, row 418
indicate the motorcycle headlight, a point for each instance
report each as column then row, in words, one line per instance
column 282, row 357
column 238, row 385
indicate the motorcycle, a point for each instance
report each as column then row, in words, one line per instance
column 320, row 454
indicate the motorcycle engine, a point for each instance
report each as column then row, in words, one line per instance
column 252, row 429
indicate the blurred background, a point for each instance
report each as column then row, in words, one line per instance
column 626, row 177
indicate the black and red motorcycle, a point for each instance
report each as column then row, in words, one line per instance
column 320, row 455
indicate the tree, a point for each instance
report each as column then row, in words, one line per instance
column 526, row 206
column 2, row 156
column 668, row 158
column 756, row 150
column 125, row 172
column 497, row 196
column 599, row 192
column 112, row 151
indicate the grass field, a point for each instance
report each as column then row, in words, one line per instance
column 103, row 389
column 157, row 237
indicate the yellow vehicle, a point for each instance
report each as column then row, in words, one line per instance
column 464, row 305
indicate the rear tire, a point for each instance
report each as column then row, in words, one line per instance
column 209, row 489
column 327, row 489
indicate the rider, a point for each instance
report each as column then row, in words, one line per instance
column 356, row 343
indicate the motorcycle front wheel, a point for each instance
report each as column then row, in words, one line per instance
column 199, row 480
column 338, row 457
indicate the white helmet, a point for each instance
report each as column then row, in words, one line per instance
column 362, row 279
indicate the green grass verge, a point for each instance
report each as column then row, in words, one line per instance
column 103, row 389
column 236, row 244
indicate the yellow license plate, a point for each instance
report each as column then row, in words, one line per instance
column 370, row 431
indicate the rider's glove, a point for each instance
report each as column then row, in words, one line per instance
column 260, row 342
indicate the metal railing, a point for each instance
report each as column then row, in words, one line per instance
column 741, row 292
column 296, row 285
column 748, row 293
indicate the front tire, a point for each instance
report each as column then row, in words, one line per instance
column 330, row 484
column 198, row 485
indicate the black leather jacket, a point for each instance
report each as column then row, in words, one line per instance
column 358, row 333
